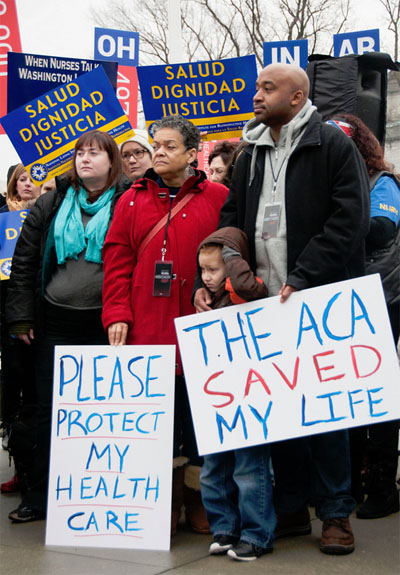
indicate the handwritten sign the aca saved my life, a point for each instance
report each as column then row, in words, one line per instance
column 266, row 371
column 111, row 447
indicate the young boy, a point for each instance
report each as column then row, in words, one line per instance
column 236, row 485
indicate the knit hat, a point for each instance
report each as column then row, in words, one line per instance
column 141, row 138
column 344, row 126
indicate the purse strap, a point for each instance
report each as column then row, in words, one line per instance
column 162, row 223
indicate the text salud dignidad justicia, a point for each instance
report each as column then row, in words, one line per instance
column 51, row 117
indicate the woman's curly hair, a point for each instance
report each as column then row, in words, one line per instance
column 367, row 144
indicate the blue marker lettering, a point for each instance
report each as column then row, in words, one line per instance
column 229, row 340
column 85, row 488
column 364, row 314
column 117, row 373
column 63, row 381
column 155, row 488
column 93, row 451
column 352, row 402
column 262, row 420
column 69, row 488
column 121, row 455
column 148, row 378
column 255, row 337
column 112, row 519
column 376, row 401
column 69, row 521
column 97, row 378
column 117, row 495
column 141, row 389
column 201, row 327
column 221, row 421
column 313, row 325
column 129, row 522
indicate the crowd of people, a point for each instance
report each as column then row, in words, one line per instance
column 298, row 203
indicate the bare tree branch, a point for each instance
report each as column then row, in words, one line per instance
column 392, row 8
column 213, row 30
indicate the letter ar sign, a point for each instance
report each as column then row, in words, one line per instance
column 117, row 45
column 355, row 43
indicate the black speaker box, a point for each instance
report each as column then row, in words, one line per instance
column 354, row 84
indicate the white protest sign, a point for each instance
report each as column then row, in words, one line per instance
column 265, row 371
column 111, row 449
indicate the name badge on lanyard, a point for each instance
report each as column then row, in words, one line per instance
column 162, row 279
column 271, row 221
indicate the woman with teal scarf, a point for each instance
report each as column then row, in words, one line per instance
column 55, row 289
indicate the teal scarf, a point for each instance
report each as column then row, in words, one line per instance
column 71, row 238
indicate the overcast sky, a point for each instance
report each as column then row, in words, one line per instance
column 64, row 28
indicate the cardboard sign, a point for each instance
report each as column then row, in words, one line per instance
column 120, row 46
column 111, row 447
column 10, row 228
column 203, row 155
column 44, row 131
column 123, row 47
column 9, row 41
column 289, row 52
column 31, row 75
column 217, row 96
column 264, row 371
column 127, row 92
column 355, row 42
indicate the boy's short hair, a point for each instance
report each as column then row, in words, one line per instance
column 210, row 247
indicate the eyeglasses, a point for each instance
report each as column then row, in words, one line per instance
column 137, row 154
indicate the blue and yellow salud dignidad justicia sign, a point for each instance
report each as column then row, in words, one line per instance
column 217, row 95
column 10, row 227
column 45, row 130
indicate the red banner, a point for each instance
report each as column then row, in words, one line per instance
column 127, row 92
column 9, row 41
column 206, row 149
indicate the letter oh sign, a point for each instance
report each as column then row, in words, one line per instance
column 117, row 45
column 355, row 43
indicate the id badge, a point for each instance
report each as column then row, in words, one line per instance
column 162, row 279
column 272, row 218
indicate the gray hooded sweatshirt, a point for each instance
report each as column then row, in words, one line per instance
column 271, row 253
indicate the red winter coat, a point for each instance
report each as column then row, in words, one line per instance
column 128, row 283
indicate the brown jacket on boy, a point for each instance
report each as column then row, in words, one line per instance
column 241, row 284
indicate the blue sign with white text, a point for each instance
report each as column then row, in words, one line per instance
column 217, row 95
column 289, row 52
column 10, row 227
column 355, row 43
column 119, row 46
column 44, row 131
column 31, row 75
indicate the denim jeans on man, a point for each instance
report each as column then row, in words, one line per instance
column 237, row 493
column 316, row 469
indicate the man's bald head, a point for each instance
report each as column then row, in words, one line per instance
column 295, row 75
column 282, row 90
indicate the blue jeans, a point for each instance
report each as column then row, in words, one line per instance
column 316, row 468
column 236, row 489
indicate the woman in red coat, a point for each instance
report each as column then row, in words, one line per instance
column 158, row 225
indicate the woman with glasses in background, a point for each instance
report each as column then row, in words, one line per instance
column 136, row 156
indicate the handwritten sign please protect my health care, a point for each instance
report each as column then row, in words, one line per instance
column 265, row 371
column 111, row 450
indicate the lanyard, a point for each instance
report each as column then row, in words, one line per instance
column 164, row 247
column 275, row 178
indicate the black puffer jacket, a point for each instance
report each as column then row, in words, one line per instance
column 326, row 200
column 34, row 261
